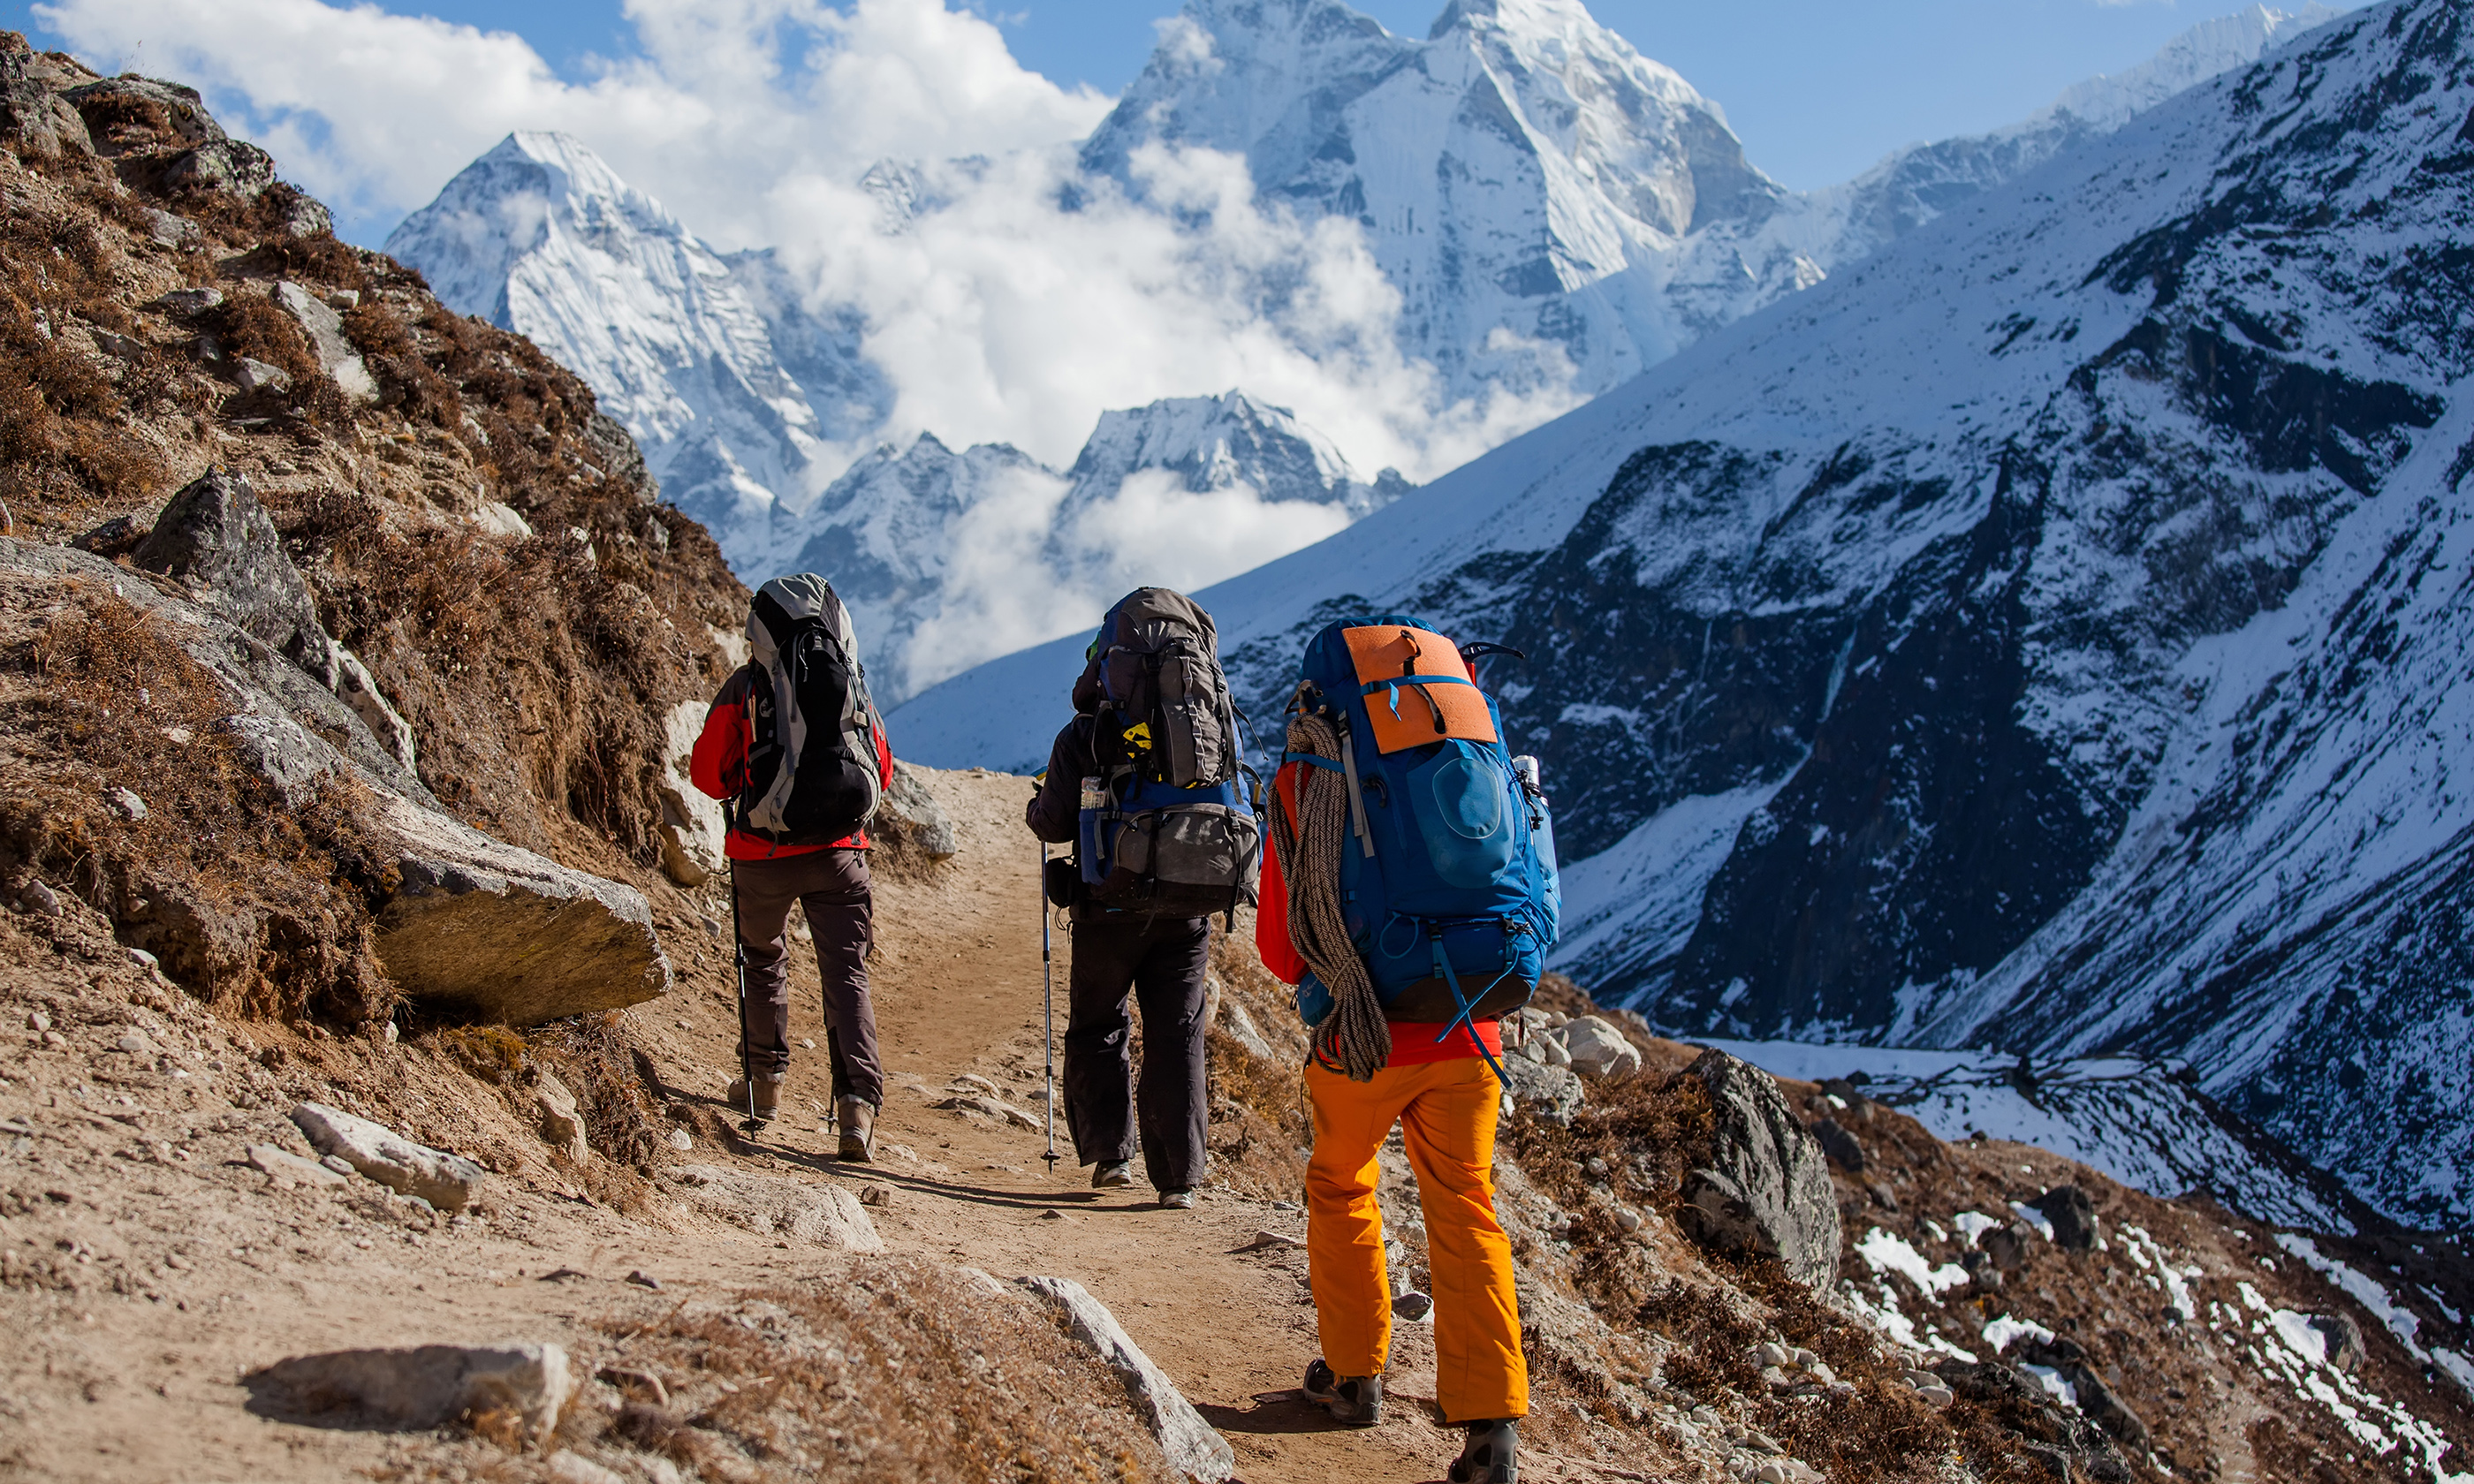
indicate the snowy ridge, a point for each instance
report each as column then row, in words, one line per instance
column 2073, row 585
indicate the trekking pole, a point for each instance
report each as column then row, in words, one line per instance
column 739, row 965
column 1047, row 1011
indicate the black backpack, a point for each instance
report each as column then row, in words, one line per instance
column 811, row 773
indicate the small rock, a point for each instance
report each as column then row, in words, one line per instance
column 1269, row 1238
column 568, row 1468
column 876, row 1194
column 973, row 1082
column 2072, row 1215
column 2006, row 1245
column 1843, row 1148
column 1820, row 1370
column 188, row 301
column 1771, row 1354
column 39, row 900
column 1414, row 1306
column 55, row 1039
column 135, row 1043
column 339, row 1164
column 424, row 1387
column 2344, row 1339
column 126, row 804
column 1053, row 1214
column 1289, row 1206
column 253, row 374
column 1936, row 1395
column 560, row 1123
column 681, row 1141
column 282, row 1165
column 643, row 1280
column 37, row 1020
column 1597, row 1049
column 446, row 1180
column 1241, row 1028
column 1627, row 1219
column 805, row 1044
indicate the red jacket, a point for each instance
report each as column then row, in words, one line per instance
column 1413, row 1043
column 718, row 767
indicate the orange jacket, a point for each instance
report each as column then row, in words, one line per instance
column 718, row 767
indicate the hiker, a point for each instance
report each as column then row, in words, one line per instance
column 796, row 748
column 1144, row 782
column 1410, row 896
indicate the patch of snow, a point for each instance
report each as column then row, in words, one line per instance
column 2001, row 1331
column 1974, row 1224
column 1884, row 1252
column 2055, row 1386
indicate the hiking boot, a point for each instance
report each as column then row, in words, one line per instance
column 1353, row 1400
column 858, row 1122
column 1177, row 1200
column 1113, row 1175
column 1486, row 1457
column 768, row 1095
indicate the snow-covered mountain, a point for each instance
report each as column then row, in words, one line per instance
column 541, row 237
column 1556, row 211
column 949, row 559
column 2040, row 635
column 1548, row 201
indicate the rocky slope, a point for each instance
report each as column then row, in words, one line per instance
column 2032, row 637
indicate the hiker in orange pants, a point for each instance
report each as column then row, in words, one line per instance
column 1445, row 1098
column 1446, row 1112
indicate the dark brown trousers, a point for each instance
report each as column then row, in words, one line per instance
column 832, row 886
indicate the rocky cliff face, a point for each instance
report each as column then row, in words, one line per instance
column 342, row 628
column 2029, row 638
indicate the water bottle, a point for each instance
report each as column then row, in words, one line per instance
column 1095, row 799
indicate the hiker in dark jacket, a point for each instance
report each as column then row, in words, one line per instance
column 1131, row 948
column 829, row 880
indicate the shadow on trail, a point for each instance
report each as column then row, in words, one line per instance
column 1082, row 1202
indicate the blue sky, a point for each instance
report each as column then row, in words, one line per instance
column 1817, row 88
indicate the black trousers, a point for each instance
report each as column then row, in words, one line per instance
column 1160, row 961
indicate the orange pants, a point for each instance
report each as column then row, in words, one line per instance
column 1447, row 1111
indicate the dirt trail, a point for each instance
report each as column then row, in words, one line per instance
column 191, row 1269
column 957, row 985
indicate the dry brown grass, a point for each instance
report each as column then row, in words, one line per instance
column 901, row 1370
column 252, row 906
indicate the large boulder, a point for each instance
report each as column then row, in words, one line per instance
column 215, row 535
column 1192, row 1445
column 509, row 935
column 1765, row 1191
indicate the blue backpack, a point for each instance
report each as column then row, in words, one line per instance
column 1447, row 878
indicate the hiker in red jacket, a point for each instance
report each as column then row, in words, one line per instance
column 828, row 878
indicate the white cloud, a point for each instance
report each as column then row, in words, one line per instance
column 1021, row 304
column 373, row 112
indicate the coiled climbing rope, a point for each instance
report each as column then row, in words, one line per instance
column 1354, row 1037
